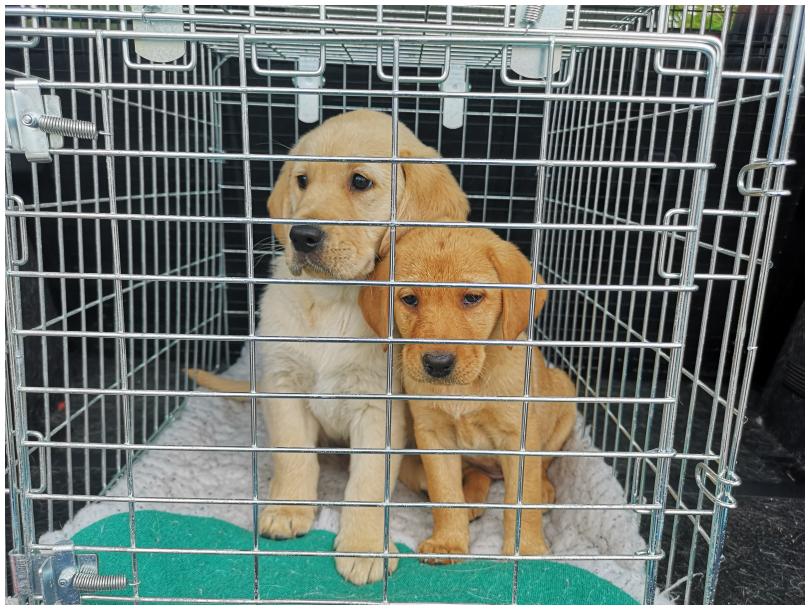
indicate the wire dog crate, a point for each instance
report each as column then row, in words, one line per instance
column 640, row 168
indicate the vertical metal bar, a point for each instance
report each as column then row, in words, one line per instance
column 571, row 303
column 129, row 224
column 629, row 491
column 16, row 378
column 218, row 202
column 389, row 373
column 57, row 179
column 106, row 110
column 527, row 371
column 251, row 305
column 12, row 467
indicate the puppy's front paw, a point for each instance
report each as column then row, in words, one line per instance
column 363, row 570
column 286, row 521
column 445, row 547
column 529, row 545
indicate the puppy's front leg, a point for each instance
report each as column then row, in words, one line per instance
column 295, row 475
column 362, row 528
column 532, row 540
column 451, row 530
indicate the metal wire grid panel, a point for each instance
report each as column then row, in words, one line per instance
column 143, row 254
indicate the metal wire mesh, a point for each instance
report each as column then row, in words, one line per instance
column 143, row 253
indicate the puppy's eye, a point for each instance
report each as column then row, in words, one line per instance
column 409, row 299
column 360, row 182
column 472, row 298
column 302, row 182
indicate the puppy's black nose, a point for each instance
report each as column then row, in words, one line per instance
column 306, row 238
column 438, row 364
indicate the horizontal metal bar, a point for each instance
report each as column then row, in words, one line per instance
column 333, row 396
column 242, row 220
column 651, row 454
column 284, row 21
column 734, row 277
column 706, row 45
column 213, row 600
column 661, row 113
column 319, row 281
column 334, row 503
column 264, row 90
column 344, row 340
column 191, row 155
column 752, row 75
column 130, row 198
column 637, row 508
column 288, row 553
column 732, row 213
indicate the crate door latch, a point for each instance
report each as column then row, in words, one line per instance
column 59, row 575
column 34, row 122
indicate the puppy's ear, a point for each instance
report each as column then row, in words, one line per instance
column 373, row 300
column 430, row 192
column 514, row 268
column 278, row 204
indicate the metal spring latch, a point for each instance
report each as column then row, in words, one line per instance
column 88, row 582
column 532, row 14
column 59, row 576
column 35, row 125
column 61, row 126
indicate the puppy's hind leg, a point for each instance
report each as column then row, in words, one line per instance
column 412, row 474
column 476, row 490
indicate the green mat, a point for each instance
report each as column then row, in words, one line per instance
column 178, row 575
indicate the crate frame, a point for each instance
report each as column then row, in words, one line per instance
column 21, row 445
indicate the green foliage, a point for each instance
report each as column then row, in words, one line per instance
column 693, row 17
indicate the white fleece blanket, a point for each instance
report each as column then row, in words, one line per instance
column 219, row 422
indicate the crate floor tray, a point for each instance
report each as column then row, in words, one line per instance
column 209, row 475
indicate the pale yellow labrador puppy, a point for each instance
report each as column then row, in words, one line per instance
column 337, row 191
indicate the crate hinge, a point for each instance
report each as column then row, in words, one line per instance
column 764, row 190
column 723, row 484
column 59, row 575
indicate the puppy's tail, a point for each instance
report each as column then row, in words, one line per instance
column 219, row 384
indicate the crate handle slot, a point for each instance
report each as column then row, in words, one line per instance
column 662, row 251
column 300, row 73
column 43, row 477
column 134, row 65
column 527, row 82
column 15, row 260
column 159, row 51
column 254, row 62
column 424, row 80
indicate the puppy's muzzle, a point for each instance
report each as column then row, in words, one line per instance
column 306, row 238
column 438, row 364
